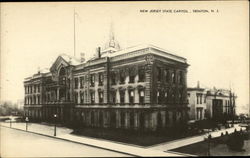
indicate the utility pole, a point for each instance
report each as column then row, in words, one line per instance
column 74, row 34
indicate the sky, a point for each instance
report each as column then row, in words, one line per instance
column 216, row 44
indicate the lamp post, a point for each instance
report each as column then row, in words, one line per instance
column 208, row 146
column 55, row 116
column 10, row 121
column 26, row 120
column 208, row 141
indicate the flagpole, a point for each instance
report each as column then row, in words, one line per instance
column 74, row 35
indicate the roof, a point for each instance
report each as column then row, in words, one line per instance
column 70, row 59
column 145, row 46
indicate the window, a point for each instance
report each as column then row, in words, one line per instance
column 34, row 99
column 82, row 97
column 180, row 96
column 92, row 80
column 173, row 97
column 122, row 97
column 141, row 96
column 159, row 97
column 38, row 88
column 173, row 77
column 180, row 77
column 38, row 99
column 122, row 119
column 166, row 74
column 141, row 73
column 76, row 97
column 113, row 78
column 166, row 97
column 92, row 97
column 113, row 97
column 100, row 79
column 100, row 97
column 81, row 82
column 197, row 98
column 76, row 83
column 131, row 96
column 122, row 77
column 200, row 98
column 131, row 78
column 158, row 74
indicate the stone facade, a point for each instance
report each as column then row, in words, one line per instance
column 141, row 87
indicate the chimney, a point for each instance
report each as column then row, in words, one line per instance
column 82, row 57
column 38, row 70
column 198, row 84
column 98, row 52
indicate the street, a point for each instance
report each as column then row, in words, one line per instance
column 16, row 143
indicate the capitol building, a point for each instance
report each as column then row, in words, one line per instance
column 138, row 88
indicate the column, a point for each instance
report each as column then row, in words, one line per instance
column 117, row 96
column 136, row 95
column 148, row 78
column 57, row 95
column 105, row 86
column 96, row 96
column 79, row 97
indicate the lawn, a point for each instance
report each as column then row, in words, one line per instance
column 129, row 137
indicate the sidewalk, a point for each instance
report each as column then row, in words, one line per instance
column 64, row 134
column 191, row 140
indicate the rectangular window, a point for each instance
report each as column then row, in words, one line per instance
column 158, row 74
column 81, row 82
column 100, row 79
column 166, row 96
column 122, row 77
column 141, row 97
column 122, row 97
column 131, row 78
column 113, row 78
column 92, row 80
column 173, row 77
column 92, row 97
column 76, row 83
column 100, row 97
column 38, row 88
column 200, row 98
column 141, row 76
column 197, row 97
column 159, row 97
column 131, row 96
column 166, row 74
column 76, row 97
column 180, row 77
column 82, row 97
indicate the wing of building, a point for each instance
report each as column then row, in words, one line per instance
column 217, row 104
column 142, row 87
